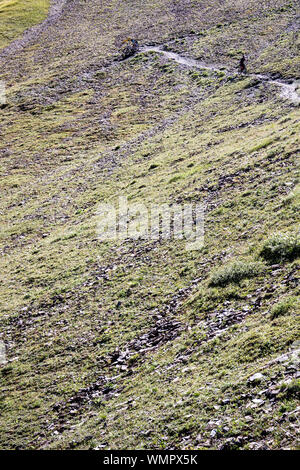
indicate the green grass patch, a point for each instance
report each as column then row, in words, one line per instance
column 281, row 247
column 234, row 273
column 262, row 145
column 283, row 307
column 291, row 390
column 18, row 15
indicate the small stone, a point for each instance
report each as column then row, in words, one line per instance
column 258, row 401
column 225, row 401
column 296, row 344
column 248, row 418
column 256, row 378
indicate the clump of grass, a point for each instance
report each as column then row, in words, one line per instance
column 281, row 247
column 254, row 345
column 263, row 144
column 234, row 273
column 100, row 74
column 283, row 307
column 291, row 390
column 253, row 83
column 174, row 179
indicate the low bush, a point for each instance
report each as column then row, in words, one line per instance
column 281, row 247
column 234, row 273
column 282, row 307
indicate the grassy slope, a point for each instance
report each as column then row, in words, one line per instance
column 69, row 302
column 18, row 15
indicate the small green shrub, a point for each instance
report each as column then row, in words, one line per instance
column 263, row 144
column 281, row 247
column 100, row 74
column 291, row 390
column 174, row 179
column 234, row 273
column 283, row 307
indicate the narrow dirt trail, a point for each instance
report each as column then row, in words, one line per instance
column 288, row 90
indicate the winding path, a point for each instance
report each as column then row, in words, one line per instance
column 288, row 90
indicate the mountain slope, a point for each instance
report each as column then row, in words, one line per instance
column 19, row 15
column 145, row 344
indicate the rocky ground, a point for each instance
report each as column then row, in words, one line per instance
column 143, row 344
